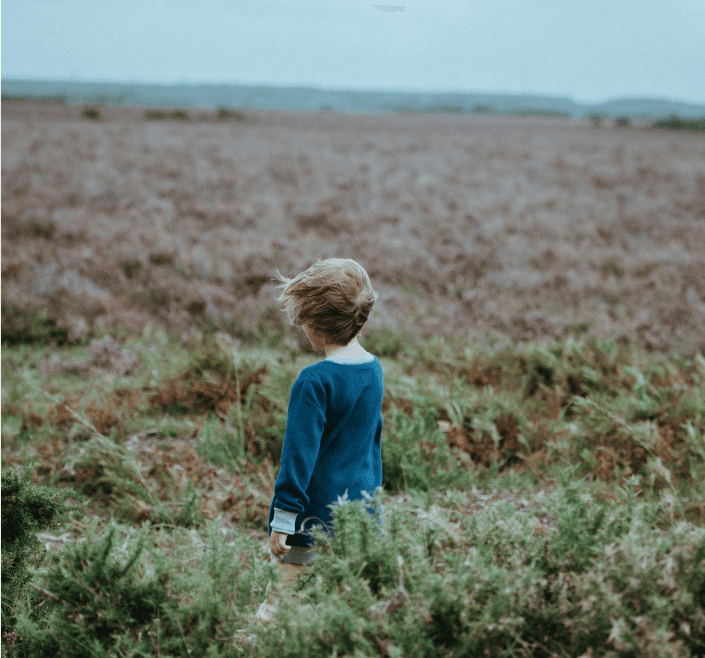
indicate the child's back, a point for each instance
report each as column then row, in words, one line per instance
column 332, row 443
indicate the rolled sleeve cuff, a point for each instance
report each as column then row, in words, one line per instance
column 284, row 521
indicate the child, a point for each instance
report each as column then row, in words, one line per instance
column 334, row 422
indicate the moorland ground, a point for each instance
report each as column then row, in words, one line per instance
column 541, row 287
column 530, row 227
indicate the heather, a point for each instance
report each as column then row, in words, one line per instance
column 536, row 228
column 539, row 325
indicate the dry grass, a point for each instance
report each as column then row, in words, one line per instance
column 533, row 227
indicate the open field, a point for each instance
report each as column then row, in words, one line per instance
column 529, row 227
column 544, row 501
column 539, row 323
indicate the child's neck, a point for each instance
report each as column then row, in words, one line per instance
column 349, row 351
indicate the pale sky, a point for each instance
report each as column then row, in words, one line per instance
column 590, row 50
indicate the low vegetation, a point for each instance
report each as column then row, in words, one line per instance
column 540, row 326
column 477, row 226
column 537, row 501
column 165, row 114
column 225, row 114
column 26, row 510
column 675, row 122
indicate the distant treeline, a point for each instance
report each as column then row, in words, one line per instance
column 316, row 99
column 673, row 122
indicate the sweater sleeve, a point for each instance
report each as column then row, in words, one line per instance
column 306, row 421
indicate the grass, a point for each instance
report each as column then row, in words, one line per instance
column 537, row 501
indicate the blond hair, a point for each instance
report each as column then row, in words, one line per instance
column 334, row 295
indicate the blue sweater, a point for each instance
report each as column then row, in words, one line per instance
column 332, row 444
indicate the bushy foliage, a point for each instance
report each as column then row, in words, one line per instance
column 674, row 122
column 92, row 597
column 26, row 510
column 24, row 324
column 163, row 114
column 497, row 584
column 104, row 598
column 491, row 542
column 604, row 576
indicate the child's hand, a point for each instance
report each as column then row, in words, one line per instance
column 277, row 543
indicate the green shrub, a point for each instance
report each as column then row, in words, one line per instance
column 602, row 577
column 93, row 598
column 224, row 114
column 607, row 577
column 106, row 596
column 26, row 510
column 160, row 114
column 674, row 122
column 21, row 323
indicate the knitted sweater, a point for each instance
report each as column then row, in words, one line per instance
column 332, row 444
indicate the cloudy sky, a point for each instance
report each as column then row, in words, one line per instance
column 589, row 50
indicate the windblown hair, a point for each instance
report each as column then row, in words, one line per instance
column 334, row 295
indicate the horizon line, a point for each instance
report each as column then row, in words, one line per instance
column 186, row 83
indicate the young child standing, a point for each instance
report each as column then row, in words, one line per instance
column 332, row 443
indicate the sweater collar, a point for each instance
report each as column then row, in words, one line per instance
column 351, row 361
